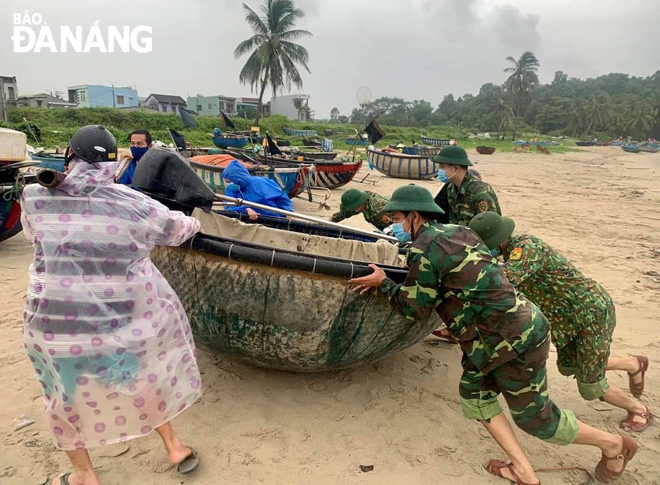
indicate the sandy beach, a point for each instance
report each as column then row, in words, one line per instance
column 600, row 207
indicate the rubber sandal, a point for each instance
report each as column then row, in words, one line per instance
column 627, row 453
column 444, row 336
column 189, row 464
column 630, row 425
column 64, row 479
column 637, row 389
column 495, row 467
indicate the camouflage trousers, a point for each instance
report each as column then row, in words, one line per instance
column 585, row 357
column 523, row 383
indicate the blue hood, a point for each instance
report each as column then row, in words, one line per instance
column 261, row 190
column 237, row 173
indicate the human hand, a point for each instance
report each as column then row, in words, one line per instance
column 252, row 214
column 366, row 283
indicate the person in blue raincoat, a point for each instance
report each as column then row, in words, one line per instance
column 254, row 189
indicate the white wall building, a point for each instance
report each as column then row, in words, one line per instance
column 293, row 106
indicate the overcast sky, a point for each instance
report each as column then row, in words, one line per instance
column 414, row 49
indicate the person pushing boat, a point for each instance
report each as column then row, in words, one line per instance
column 369, row 204
column 581, row 314
column 107, row 336
column 504, row 337
column 466, row 194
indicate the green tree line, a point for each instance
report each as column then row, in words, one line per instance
column 611, row 105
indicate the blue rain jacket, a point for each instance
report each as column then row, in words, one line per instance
column 255, row 189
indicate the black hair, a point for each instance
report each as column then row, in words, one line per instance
column 429, row 216
column 146, row 134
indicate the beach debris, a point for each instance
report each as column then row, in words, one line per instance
column 22, row 422
column 366, row 468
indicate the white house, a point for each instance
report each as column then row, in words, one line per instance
column 293, row 106
column 165, row 103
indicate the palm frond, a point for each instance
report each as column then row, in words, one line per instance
column 254, row 21
column 295, row 34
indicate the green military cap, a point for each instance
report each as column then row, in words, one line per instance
column 453, row 155
column 412, row 198
column 352, row 199
column 492, row 228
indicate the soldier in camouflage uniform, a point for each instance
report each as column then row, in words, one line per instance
column 580, row 311
column 504, row 337
column 354, row 202
column 466, row 194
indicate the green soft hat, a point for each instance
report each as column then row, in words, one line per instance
column 492, row 228
column 352, row 199
column 412, row 198
column 453, row 155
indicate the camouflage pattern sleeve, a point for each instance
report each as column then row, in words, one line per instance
column 341, row 215
column 418, row 295
column 523, row 263
column 485, row 200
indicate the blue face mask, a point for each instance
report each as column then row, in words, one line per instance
column 442, row 176
column 495, row 252
column 137, row 152
column 399, row 233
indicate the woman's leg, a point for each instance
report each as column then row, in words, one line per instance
column 83, row 471
column 175, row 449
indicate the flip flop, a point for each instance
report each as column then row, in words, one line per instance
column 637, row 389
column 189, row 464
column 495, row 467
column 630, row 425
column 627, row 453
column 64, row 479
column 445, row 336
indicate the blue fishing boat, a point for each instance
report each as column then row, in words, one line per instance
column 630, row 148
column 230, row 141
column 353, row 141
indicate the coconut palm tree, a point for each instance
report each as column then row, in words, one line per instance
column 274, row 56
column 523, row 76
column 334, row 114
column 641, row 120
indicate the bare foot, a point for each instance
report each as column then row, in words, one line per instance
column 178, row 454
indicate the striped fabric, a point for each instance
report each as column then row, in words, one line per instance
column 292, row 132
column 435, row 142
column 326, row 145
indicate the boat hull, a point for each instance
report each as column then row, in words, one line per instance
column 53, row 163
column 403, row 166
column 229, row 142
column 435, row 142
column 281, row 317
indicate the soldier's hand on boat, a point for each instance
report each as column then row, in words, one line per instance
column 366, row 283
column 252, row 214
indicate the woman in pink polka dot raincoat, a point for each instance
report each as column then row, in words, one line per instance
column 107, row 335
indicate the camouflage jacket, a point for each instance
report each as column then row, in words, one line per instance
column 372, row 212
column 452, row 271
column 564, row 295
column 471, row 198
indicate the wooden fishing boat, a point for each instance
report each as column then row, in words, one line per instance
column 230, row 141
column 308, row 142
column 585, row 143
column 353, row 141
column 54, row 161
column 630, row 148
column 649, row 148
column 435, row 141
column 293, row 180
column 484, row 150
column 261, row 303
column 309, row 154
column 327, row 174
column 403, row 166
column 306, row 133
